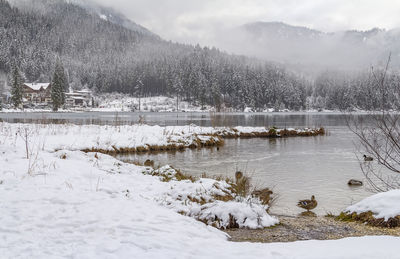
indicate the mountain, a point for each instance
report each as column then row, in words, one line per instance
column 113, row 16
column 315, row 49
column 280, row 31
column 102, row 50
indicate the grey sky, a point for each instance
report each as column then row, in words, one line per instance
column 199, row 21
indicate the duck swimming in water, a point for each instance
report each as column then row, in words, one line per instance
column 308, row 204
column 368, row 158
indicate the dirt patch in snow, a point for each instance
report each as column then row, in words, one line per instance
column 308, row 228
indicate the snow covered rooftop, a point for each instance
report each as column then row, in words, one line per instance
column 78, row 98
column 84, row 91
column 37, row 86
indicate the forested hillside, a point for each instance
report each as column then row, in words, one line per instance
column 109, row 55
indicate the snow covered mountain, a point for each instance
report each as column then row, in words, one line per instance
column 106, row 13
column 300, row 45
column 113, row 16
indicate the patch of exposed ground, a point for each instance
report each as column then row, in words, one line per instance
column 307, row 228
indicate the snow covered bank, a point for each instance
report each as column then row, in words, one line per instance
column 85, row 205
column 382, row 209
column 28, row 155
column 139, row 138
column 136, row 138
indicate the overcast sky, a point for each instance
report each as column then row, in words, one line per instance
column 195, row 21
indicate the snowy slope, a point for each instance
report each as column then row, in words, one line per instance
column 68, row 204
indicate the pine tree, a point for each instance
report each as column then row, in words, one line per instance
column 59, row 85
column 16, row 88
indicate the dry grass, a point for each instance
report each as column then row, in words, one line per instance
column 180, row 146
column 182, row 177
column 265, row 196
column 273, row 132
column 241, row 186
column 368, row 218
column 178, row 176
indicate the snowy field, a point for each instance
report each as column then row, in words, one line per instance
column 122, row 102
column 67, row 203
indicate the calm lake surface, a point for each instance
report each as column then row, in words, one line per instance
column 295, row 168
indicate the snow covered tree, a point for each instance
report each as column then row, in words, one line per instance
column 59, row 85
column 16, row 88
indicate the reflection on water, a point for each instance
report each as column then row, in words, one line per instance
column 200, row 119
column 295, row 168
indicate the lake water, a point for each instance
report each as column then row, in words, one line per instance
column 295, row 168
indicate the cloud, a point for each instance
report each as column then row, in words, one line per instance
column 199, row 21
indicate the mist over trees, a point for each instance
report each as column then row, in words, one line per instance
column 108, row 57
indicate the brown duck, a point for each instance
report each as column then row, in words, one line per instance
column 368, row 158
column 308, row 204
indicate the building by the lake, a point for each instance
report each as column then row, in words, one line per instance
column 36, row 93
column 78, row 98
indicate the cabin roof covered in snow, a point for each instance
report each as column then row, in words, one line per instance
column 84, row 91
column 37, row 86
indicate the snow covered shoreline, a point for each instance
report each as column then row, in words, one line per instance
column 162, row 104
column 140, row 138
column 382, row 209
column 68, row 203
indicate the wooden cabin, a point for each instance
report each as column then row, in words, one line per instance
column 37, row 93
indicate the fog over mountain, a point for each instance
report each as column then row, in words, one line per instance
column 311, row 35
column 313, row 49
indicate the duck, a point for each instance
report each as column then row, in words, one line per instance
column 238, row 175
column 354, row 182
column 368, row 158
column 308, row 204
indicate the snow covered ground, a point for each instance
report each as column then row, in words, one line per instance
column 115, row 102
column 67, row 203
column 121, row 102
column 383, row 205
column 81, row 137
